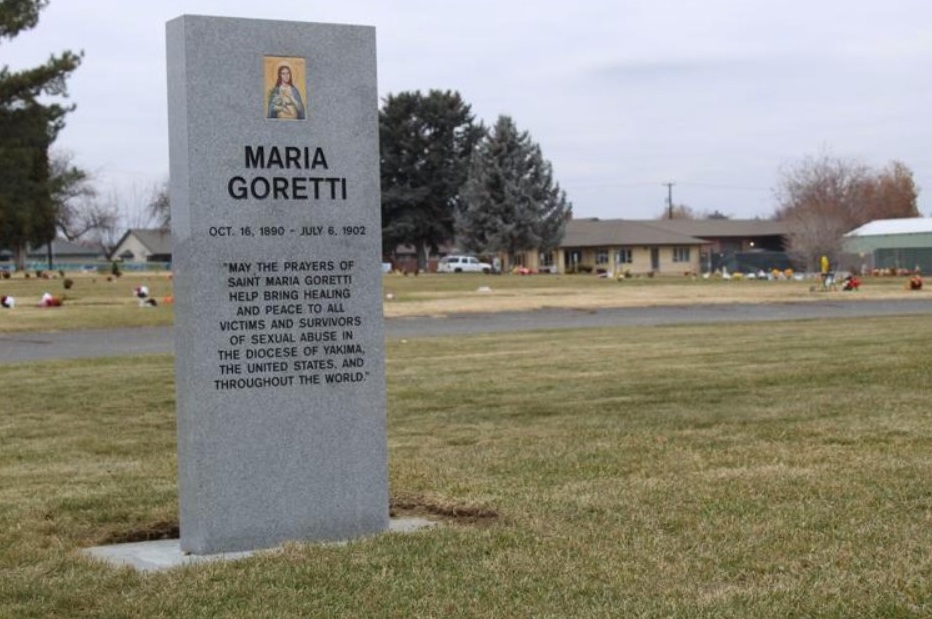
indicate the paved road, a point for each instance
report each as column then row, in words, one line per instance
column 17, row 347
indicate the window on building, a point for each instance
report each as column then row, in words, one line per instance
column 546, row 258
column 601, row 256
column 681, row 254
column 623, row 256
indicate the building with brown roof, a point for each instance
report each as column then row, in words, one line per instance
column 667, row 247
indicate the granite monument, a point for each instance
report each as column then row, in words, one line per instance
column 279, row 349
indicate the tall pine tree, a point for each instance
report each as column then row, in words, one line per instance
column 425, row 143
column 510, row 201
column 27, row 129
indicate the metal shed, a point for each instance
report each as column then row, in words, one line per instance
column 893, row 244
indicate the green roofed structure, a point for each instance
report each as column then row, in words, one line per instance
column 893, row 244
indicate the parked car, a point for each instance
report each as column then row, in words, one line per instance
column 462, row 264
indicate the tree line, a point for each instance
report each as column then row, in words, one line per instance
column 822, row 198
column 449, row 180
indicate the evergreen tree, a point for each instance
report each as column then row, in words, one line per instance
column 27, row 214
column 425, row 144
column 511, row 202
column 27, row 129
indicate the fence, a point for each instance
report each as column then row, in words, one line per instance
column 908, row 258
column 131, row 267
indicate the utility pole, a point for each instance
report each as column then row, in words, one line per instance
column 669, row 199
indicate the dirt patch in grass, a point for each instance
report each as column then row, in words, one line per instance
column 436, row 510
column 398, row 508
column 157, row 531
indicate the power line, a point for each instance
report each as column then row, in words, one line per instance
column 717, row 186
column 611, row 183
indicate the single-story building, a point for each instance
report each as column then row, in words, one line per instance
column 662, row 246
column 144, row 245
column 891, row 244
column 617, row 246
column 744, row 245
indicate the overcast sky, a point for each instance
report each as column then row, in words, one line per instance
column 622, row 95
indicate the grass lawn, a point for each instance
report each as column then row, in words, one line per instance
column 758, row 470
column 93, row 302
column 454, row 293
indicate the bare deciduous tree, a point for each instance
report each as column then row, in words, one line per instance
column 679, row 211
column 888, row 194
column 121, row 210
column 77, row 211
column 159, row 206
column 682, row 211
column 823, row 198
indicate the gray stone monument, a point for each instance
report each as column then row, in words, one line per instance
column 279, row 349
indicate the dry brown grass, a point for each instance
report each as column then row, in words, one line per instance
column 430, row 296
column 95, row 302
column 754, row 471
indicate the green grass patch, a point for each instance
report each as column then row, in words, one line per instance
column 92, row 301
column 758, row 470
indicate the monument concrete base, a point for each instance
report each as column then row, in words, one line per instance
column 166, row 554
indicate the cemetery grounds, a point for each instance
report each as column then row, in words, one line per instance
column 773, row 469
